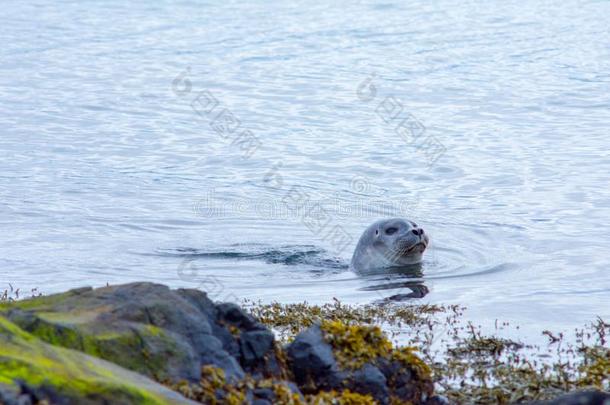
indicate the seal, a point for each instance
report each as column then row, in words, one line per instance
column 389, row 243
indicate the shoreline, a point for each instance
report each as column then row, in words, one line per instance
column 258, row 348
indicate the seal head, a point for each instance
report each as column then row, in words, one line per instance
column 388, row 243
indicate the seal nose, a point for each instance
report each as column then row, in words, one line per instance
column 418, row 232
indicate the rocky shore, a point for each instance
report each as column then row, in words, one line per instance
column 145, row 343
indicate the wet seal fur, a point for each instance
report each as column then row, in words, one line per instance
column 389, row 243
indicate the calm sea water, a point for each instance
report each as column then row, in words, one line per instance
column 486, row 123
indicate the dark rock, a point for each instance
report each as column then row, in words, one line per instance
column 399, row 377
column 293, row 387
column 437, row 400
column 11, row 395
column 264, row 393
column 268, row 395
column 314, row 366
column 587, row 397
column 254, row 345
column 247, row 340
column 369, row 380
column 229, row 313
column 312, row 362
column 261, row 402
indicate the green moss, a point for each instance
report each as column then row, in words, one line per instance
column 24, row 357
column 10, row 331
column 153, row 330
column 39, row 302
column 56, row 334
column 139, row 347
column 68, row 317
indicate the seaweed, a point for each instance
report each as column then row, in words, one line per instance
column 467, row 365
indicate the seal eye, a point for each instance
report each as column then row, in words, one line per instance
column 376, row 231
column 391, row 230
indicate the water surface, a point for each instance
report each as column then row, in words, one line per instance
column 109, row 175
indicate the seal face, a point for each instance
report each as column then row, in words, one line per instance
column 388, row 243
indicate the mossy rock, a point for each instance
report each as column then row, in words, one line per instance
column 142, row 348
column 166, row 334
column 39, row 371
column 96, row 322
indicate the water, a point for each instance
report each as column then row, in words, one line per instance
column 109, row 175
